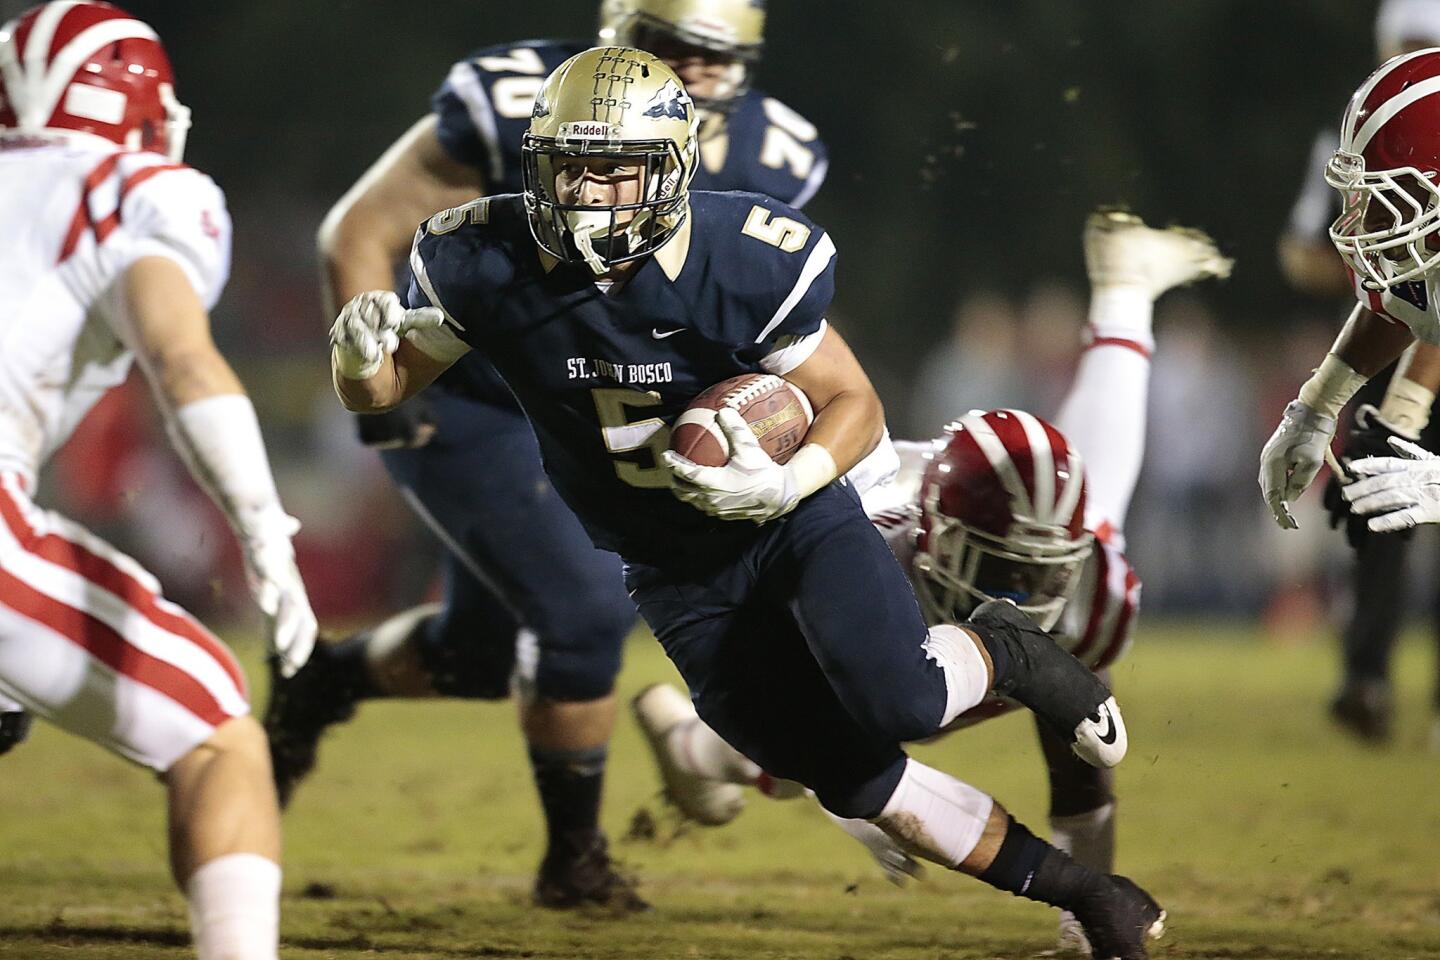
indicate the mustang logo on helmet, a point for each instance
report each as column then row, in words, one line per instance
column 669, row 101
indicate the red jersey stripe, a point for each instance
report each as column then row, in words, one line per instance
column 107, row 226
column 82, row 217
column 100, row 571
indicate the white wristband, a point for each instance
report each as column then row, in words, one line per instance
column 1331, row 386
column 811, row 468
column 1407, row 406
column 219, row 439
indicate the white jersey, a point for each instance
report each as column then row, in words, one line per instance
column 76, row 217
column 86, row 639
column 1415, row 304
column 1098, row 622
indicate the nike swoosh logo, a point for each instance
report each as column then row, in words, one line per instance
column 1108, row 737
column 655, row 332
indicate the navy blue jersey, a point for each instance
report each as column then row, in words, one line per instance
column 602, row 376
column 483, row 110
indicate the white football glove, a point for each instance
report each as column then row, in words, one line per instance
column 1404, row 491
column 275, row 583
column 369, row 329
column 898, row 865
column 1291, row 458
column 751, row 485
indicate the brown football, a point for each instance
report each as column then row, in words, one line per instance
column 778, row 412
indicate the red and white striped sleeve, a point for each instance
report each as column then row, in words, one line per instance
column 1110, row 606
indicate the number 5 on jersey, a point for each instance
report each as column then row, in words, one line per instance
column 787, row 234
column 623, row 436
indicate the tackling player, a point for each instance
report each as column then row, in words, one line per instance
column 114, row 250
column 1386, row 170
column 466, row 460
column 1001, row 506
column 608, row 295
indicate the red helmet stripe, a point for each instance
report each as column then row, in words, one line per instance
column 1010, row 435
column 982, row 430
column 1349, row 125
column 69, row 60
column 1042, row 469
column 1382, row 113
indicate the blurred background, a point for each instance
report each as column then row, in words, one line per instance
column 968, row 141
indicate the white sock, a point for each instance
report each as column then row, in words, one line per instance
column 1103, row 415
column 699, row 750
column 967, row 679
column 1089, row 838
column 235, row 908
column 934, row 816
column 1122, row 313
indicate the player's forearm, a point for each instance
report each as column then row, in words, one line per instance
column 377, row 393
column 219, row 439
column 848, row 427
column 1370, row 342
column 1411, row 393
column 1366, row 345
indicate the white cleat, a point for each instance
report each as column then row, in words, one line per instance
column 1100, row 739
column 659, row 709
column 1121, row 251
column 1073, row 942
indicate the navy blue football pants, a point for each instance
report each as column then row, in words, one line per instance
column 517, row 557
column 803, row 649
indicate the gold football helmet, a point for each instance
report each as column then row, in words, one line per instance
column 729, row 31
column 624, row 105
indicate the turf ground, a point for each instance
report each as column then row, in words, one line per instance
column 1264, row 832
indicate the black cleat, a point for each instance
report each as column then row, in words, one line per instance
column 1118, row 921
column 1363, row 708
column 1057, row 688
column 300, row 709
column 14, row 728
column 590, row 878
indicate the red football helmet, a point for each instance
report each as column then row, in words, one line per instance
column 1002, row 509
column 1387, row 169
column 91, row 68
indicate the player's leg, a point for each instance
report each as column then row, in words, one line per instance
column 87, row 643
column 858, row 612
column 1362, row 704
column 572, row 600
column 1103, row 415
column 1082, row 819
column 757, row 685
column 464, row 646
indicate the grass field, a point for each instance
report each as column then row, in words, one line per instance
column 1264, row 832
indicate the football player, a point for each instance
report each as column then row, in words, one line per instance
column 114, row 251
column 608, row 294
column 1386, row 170
column 1393, row 403
column 1002, row 506
column 467, row 462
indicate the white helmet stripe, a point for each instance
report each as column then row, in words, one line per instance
column 1042, row 460
column 1070, row 496
column 42, row 34
column 68, row 60
column 1390, row 107
column 1347, row 125
column 995, row 452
